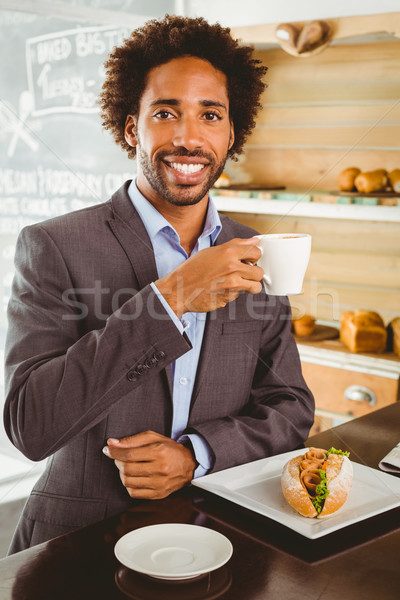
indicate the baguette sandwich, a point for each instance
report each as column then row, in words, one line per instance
column 317, row 483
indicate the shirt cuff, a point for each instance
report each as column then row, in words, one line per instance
column 202, row 452
column 182, row 325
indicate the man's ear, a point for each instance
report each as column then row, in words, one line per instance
column 231, row 136
column 130, row 130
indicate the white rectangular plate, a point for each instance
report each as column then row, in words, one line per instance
column 257, row 486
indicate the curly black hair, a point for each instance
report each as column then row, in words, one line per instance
column 158, row 42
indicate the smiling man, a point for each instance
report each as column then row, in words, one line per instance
column 183, row 132
column 142, row 350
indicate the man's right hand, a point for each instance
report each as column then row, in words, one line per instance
column 213, row 277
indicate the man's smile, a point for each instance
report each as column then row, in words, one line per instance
column 187, row 168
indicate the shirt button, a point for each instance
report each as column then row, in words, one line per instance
column 183, row 380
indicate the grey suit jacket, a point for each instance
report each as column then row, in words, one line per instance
column 89, row 353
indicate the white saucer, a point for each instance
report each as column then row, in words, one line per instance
column 173, row 551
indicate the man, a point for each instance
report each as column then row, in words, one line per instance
column 142, row 350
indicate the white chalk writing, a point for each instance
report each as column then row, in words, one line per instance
column 53, row 61
column 44, row 192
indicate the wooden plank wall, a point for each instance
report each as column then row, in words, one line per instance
column 324, row 113
column 321, row 114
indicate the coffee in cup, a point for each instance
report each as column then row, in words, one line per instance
column 284, row 261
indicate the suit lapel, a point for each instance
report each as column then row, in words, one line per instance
column 128, row 228
column 132, row 235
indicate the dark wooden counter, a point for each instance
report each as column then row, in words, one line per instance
column 269, row 560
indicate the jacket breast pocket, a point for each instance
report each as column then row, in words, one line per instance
column 240, row 327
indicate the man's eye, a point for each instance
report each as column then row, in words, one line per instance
column 163, row 114
column 211, row 116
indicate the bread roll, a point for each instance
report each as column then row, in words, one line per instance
column 340, row 475
column 347, row 177
column 372, row 181
column 363, row 331
column 300, row 478
column 394, row 335
column 293, row 490
column 394, row 178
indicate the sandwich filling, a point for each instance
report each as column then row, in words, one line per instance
column 313, row 474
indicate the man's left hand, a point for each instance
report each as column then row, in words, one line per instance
column 151, row 465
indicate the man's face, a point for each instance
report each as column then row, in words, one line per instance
column 182, row 133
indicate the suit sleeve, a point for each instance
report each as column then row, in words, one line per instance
column 280, row 408
column 60, row 382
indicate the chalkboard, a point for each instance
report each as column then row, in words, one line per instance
column 55, row 155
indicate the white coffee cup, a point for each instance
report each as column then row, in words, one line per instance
column 284, row 261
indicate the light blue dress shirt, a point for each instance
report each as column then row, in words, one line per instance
column 168, row 255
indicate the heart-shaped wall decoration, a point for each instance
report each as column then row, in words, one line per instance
column 304, row 40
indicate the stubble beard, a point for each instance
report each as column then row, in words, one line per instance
column 186, row 195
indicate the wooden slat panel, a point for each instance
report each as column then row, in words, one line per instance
column 315, row 93
column 307, row 168
column 356, row 64
column 387, row 113
column 364, row 73
column 349, row 237
column 358, row 269
column 368, row 136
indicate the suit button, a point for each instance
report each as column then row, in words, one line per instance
column 150, row 362
column 140, row 369
column 131, row 376
column 159, row 355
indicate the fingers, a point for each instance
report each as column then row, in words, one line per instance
column 135, row 441
column 251, row 272
column 240, row 250
column 139, row 454
column 144, row 488
column 248, row 249
column 237, row 260
column 213, row 276
column 151, row 465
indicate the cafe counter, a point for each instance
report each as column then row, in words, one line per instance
column 269, row 561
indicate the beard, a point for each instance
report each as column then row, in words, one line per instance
column 186, row 194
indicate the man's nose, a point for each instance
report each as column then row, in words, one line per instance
column 188, row 134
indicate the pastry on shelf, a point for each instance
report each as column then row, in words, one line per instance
column 304, row 325
column 223, row 181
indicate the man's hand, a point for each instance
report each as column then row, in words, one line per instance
column 150, row 464
column 213, row 277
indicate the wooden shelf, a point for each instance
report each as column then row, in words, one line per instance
column 343, row 27
column 333, row 353
column 307, row 209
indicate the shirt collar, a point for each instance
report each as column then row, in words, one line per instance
column 154, row 222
